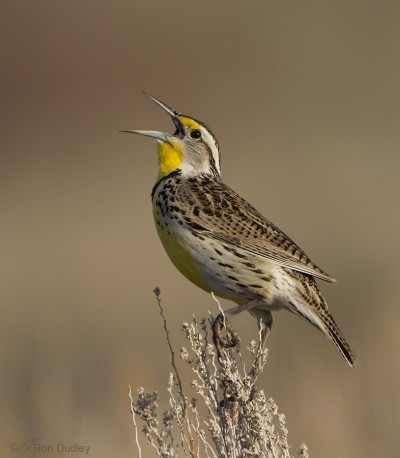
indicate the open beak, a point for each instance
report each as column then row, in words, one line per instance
column 162, row 136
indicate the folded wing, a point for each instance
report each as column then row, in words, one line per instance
column 219, row 213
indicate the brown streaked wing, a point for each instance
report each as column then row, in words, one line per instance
column 220, row 213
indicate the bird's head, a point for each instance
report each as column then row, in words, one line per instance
column 192, row 148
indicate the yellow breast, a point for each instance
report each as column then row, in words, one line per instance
column 188, row 254
column 182, row 256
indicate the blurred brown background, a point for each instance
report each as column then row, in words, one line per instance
column 304, row 99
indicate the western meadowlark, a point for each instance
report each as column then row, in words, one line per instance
column 223, row 244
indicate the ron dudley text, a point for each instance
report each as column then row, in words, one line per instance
column 61, row 448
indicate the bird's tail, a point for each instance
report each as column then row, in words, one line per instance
column 322, row 318
column 332, row 331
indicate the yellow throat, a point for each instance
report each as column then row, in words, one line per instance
column 170, row 155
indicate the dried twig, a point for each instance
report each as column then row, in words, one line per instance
column 135, row 424
column 239, row 420
column 183, row 400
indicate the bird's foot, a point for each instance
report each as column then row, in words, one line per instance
column 229, row 339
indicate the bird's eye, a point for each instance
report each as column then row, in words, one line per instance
column 195, row 134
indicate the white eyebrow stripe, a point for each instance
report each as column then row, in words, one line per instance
column 211, row 142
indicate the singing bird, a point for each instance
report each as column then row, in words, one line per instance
column 221, row 243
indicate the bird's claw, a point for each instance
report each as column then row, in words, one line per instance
column 229, row 340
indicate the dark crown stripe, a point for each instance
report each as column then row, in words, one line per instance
column 205, row 127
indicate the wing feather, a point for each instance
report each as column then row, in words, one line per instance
column 221, row 214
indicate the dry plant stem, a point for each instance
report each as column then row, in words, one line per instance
column 259, row 360
column 230, row 417
column 180, row 389
column 231, row 338
column 134, row 424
